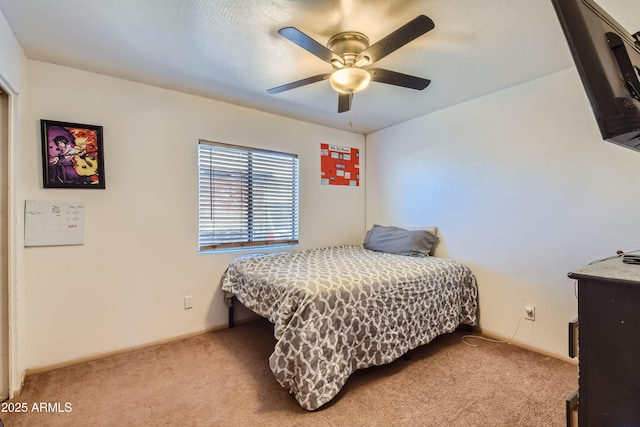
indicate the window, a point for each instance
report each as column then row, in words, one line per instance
column 247, row 197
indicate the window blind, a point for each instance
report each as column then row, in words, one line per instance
column 247, row 197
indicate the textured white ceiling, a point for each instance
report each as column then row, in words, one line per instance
column 230, row 50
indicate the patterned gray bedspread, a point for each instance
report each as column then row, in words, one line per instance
column 344, row 308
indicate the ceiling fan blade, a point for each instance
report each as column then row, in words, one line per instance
column 403, row 35
column 310, row 45
column 298, row 83
column 344, row 102
column 397, row 79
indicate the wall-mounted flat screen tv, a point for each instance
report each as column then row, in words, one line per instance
column 607, row 57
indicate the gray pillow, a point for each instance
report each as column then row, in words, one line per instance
column 396, row 240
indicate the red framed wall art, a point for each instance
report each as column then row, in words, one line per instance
column 339, row 165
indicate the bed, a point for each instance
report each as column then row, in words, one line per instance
column 339, row 309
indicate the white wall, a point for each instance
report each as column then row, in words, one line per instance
column 13, row 78
column 125, row 286
column 523, row 189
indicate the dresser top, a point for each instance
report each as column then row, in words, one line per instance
column 609, row 269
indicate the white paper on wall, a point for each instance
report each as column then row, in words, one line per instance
column 53, row 223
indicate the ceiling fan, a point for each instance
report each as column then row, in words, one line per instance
column 351, row 57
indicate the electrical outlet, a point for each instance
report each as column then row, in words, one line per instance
column 530, row 312
column 188, row 302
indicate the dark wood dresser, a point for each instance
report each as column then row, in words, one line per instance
column 608, row 343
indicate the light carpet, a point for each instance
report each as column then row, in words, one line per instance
column 222, row 378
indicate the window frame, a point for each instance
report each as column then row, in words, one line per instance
column 244, row 183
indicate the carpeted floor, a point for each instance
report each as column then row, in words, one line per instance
column 223, row 379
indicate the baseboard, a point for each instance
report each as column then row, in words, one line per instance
column 15, row 393
column 524, row 345
column 97, row 356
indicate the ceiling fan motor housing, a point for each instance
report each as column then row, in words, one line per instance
column 348, row 45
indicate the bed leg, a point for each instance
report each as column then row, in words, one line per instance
column 231, row 313
column 229, row 300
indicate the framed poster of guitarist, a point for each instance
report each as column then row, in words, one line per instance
column 72, row 155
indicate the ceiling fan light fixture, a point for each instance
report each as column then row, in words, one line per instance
column 350, row 79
